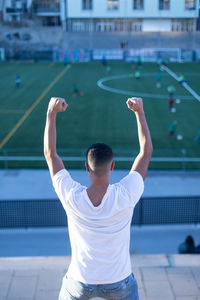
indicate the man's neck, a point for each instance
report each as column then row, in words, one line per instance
column 99, row 182
column 97, row 189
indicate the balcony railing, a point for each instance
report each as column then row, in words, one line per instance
column 11, row 10
column 47, row 9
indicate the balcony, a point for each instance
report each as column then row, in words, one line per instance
column 14, row 11
column 52, row 9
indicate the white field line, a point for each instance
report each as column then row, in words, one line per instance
column 192, row 74
column 101, row 84
column 117, row 158
column 186, row 86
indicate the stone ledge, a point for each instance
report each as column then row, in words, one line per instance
column 185, row 260
column 61, row 262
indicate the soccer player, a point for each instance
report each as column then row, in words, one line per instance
column 158, row 79
column 172, row 129
column 104, row 61
column 164, row 62
column 108, row 68
column 132, row 63
column 139, row 62
column 137, row 74
column 99, row 216
column 76, row 91
column 181, row 79
column 159, row 61
column 171, row 90
column 17, row 80
column 171, row 103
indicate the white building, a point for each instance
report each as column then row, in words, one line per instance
column 107, row 15
column 50, row 12
column 13, row 10
column 131, row 15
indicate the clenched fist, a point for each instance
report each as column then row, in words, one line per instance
column 57, row 104
column 135, row 104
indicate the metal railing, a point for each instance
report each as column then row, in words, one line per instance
column 167, row 158
column 50, row 213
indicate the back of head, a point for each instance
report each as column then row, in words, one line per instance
column 99, row 157
column 190, row 243
column 189, row 240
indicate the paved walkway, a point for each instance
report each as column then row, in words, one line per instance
column 17, row 184
column 152, row 239
column 160, row 277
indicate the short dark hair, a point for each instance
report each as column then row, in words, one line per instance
column 99, row 156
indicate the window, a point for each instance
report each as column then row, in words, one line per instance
column 113, row 4
column 189, row 4
column 87, row 4
column 183, row 25
column 138, row 4
column 164, row 4
column 137, row 26
column 78, row 26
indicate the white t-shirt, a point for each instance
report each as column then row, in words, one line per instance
column 99, row 236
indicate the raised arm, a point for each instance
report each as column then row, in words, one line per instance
column 54, row 162
column 142, row 160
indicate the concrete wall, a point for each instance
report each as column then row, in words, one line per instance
column 53, row 36
column 152, row 25
column 135, row 40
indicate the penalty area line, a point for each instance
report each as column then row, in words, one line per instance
column 101, row 84
column 186, row 86
column 33, row 106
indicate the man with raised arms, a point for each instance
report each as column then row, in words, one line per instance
column 99, row 216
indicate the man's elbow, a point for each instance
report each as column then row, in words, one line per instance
column 147, row 152
column 150, row 150
column 49, row 154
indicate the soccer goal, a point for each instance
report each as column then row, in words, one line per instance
column 171, row 54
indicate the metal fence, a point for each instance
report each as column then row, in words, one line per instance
column 165, row 159
column 50, row 213
column 86, row 55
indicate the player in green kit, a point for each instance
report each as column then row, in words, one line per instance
column 158, row 79
column 181, row 79
column 137, row 74
column 171, row 90
column 139, row 62
column 76, row 91
column 172, row 129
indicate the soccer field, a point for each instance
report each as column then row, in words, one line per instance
column 98, row 115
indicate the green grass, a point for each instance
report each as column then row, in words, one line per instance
column 98, row 115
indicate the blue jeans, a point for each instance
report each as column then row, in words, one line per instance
column 126, row 289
